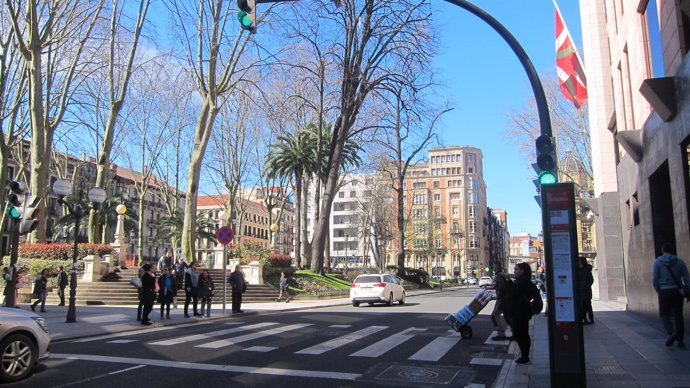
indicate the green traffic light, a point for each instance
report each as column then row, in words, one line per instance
column 547, row 178
column 244, row 19
column 13, row 212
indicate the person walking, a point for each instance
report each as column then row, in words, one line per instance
column 502, row 286
column 40, row 290
column 6, row 277
column 166, row 261
column 191, row 294
column 180, row 268
column 166, row 291
column 62, row 281
column 239, row 286
column 667, row 273
column 149, row 289
column 586, row 281
column 283, row 285
column 519, row 309
column 140, row 294
column 205, row 292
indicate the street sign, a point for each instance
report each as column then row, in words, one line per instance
column 225, row 235
column 566, row 342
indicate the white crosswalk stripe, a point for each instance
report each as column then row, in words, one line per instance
column 340, row 341
column 252, row 336
column 387, row 344
column 437, row 348
column 211, row 334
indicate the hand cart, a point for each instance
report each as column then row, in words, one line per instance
column 461, row 319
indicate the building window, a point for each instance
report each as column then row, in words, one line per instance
column 454, row 196
column 436, row 184
column 456, row 210
column 437, row 197
column 419, row 185
column 353, row 194
column 341, row 195
column 472, row 211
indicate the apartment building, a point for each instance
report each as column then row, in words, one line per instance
column 637, row 66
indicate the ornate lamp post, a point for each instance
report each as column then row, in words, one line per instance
column 120, row 234
column 62, row 188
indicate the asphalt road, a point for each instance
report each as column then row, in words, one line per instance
column 401, row 345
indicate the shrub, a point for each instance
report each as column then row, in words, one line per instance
column 279, row 260
column 62, row 252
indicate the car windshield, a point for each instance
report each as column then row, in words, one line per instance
column 368, row 279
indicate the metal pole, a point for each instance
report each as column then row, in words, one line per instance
column 10, row 300
column 71, row 310
column 225, row 278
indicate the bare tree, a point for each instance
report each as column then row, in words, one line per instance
column 51, row 37
column 377, row 36
column 569, row 123
column 119, row 75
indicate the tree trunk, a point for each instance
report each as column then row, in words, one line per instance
column 204, row 126
column 140, row 227
column 40, row 151
column 400, row 256
column 298, row 218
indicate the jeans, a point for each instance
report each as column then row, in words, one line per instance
column 671, row 306
column 520, row 328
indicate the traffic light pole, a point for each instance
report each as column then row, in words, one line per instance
column 77, row 211
column 10, row 298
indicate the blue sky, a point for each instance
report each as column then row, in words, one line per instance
column 485, row 81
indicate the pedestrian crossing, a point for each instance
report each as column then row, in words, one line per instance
column 427, row 344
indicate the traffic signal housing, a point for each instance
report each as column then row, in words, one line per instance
column 547, row 160
column 247, row 15
column 29, row 214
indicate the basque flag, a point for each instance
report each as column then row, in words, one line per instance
column 571, row 73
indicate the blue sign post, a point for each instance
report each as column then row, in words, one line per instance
column 225, row 235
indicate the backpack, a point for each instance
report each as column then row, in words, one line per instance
column 536, row 305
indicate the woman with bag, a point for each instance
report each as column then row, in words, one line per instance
column 40, row 291
column 520, row 310
column 205, row 292
column 667, row 273
column 167, row 290
column 149, row 290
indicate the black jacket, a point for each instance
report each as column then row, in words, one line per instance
column 518, row 305
column 205, row 287
column 586, row 281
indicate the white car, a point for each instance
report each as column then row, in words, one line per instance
column 377, row 288
column 486, row 281
column 24, row 341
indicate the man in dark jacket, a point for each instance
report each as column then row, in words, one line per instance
column 239, row 286
column 191, row 293
column 502, row 285
column 62, row 282
column 667, row 274
column 586, row 281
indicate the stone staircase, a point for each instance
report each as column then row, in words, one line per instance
column 121, row 292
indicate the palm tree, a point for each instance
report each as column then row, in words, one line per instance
column 349, row 158
column 171, row 228
column 292, row 156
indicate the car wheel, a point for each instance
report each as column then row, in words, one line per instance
column 390, row 299
column 18, row 355
column 371, row 303
column 402, row 299
column 356, row 304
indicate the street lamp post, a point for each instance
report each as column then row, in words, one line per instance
column 62, row 188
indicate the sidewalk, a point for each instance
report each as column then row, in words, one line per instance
column 622, row 349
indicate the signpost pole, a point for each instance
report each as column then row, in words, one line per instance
column 225, row 275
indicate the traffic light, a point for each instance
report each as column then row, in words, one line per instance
column 547, row 160
column 29, row 214
column 247, row 14
column 15, row 190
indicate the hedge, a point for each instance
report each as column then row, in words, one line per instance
column 62, row 252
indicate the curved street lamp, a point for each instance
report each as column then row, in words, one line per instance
column 63, row 187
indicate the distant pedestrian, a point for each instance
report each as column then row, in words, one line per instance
column 586, row 281
column 239, row 286
column 502, row 286
column 166, row 291
column 6, row 277
column 149, row 289
column 283, row 285
column 667, row 274
column 140, row 295
column 40, row 291
column 206, row 288
column 191, row 294
column 519, row 309
column 541, row 285
column 166, row 261
column 62, row 281
column 180, row 267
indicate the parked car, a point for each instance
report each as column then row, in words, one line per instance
column 486, row 282
column 377, row 288
column 472, row 281
column 24, row 341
